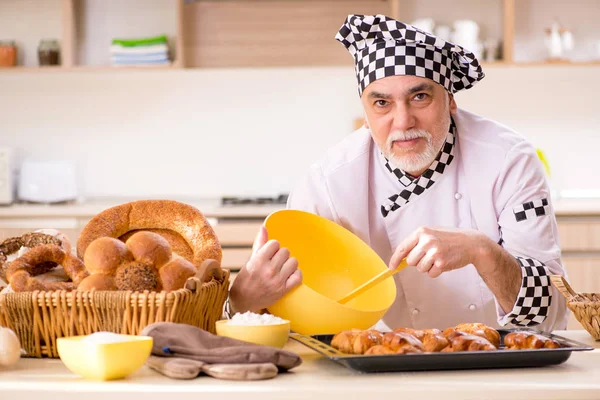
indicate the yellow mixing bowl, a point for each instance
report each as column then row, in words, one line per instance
column 274, row 335
column 333, row 262
column 104, row 361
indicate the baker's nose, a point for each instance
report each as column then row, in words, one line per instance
column 403, row 118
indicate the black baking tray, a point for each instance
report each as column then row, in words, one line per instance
column 500, row 358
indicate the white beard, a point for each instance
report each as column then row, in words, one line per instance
column 415, row 163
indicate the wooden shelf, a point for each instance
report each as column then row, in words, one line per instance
column 91, row 68
column 253, row 33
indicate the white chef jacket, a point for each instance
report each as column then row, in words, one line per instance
column 495, row 183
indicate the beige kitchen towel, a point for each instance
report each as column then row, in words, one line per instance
column 186, row 341
column 183, row 368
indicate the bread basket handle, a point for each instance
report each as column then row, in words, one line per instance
column 563, row 287
column 209, row 269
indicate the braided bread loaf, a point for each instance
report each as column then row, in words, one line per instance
column 144, row 262
column 184, row 227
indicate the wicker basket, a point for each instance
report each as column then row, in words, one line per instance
column 39, row 318
column 585, row 306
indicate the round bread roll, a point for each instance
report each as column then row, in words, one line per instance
column 175, row 273
column 137, row 276
column 105, row 255
column 178, row 244
column 149, row 248
column 186, row 221
column 98, row 282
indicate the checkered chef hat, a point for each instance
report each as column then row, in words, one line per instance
column 383, row 47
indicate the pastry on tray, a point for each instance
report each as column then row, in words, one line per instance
column 528, row 340
column 459, row 338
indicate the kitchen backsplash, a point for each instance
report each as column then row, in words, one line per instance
column 254, row 132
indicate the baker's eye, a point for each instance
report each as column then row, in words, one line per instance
column 381, row 103
column 421, row 96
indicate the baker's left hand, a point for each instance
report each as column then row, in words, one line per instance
column 434, row 251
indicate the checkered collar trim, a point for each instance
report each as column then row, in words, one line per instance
column 413, row 187
column 383, row 47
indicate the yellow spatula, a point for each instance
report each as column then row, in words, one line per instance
column 372, row 282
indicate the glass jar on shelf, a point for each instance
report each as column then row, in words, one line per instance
column 49, row 52
column 8, row 53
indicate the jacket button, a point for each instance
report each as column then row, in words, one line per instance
column 415, row 311
column 457, row 196
column 472, row 307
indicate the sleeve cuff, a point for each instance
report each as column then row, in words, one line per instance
column 535, row 296
column 226, row 310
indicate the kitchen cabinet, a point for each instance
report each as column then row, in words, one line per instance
column 277, row 33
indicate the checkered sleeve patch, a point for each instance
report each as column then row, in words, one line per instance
column 534, row 299
column 531, row 209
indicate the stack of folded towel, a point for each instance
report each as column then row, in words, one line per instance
column 144, row 51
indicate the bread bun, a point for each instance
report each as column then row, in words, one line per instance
column 149, row 248
column 185, row 221
column 105, row 255
column 137, row 276
column 175, row 273
column 97, row 282
column 178, row 244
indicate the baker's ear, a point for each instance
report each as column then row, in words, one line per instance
column 452, row 104
column 367, row 123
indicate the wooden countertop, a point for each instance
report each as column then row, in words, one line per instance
column 320, row 378
column 213, row 209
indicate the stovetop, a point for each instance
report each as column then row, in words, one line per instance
column 259, row 200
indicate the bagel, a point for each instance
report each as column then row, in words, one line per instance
column 188, row 232
column 22, row 271
column 15, row 245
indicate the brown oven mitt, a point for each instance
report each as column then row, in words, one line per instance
column 217, row 356
column 184, row 368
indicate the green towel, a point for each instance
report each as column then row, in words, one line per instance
column 149, row 41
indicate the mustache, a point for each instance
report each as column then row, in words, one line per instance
column 408, row 135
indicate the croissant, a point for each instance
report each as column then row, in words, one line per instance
column 418, row 333
column 466, row 342
column 402, row 342
column 364, row 340
column 477, row 329
column 380, row 349
column 356, row 341
column 343, row 340
column 528, row 340
column 433, row 340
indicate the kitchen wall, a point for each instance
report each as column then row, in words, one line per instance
column 248, row 132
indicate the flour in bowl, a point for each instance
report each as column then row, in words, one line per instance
column 250, row 318
column 105, row 337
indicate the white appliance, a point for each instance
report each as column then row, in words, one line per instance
column 6, row 176
column 47, row 181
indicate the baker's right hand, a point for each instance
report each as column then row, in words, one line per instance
column 267, row 276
